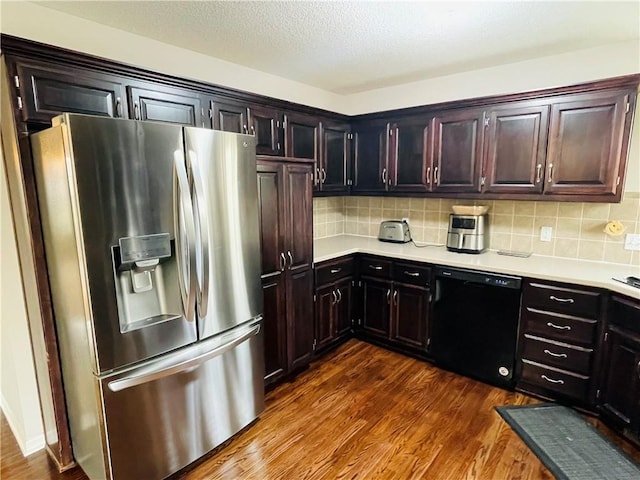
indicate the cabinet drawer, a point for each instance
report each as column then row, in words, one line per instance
column 566, row 357
column 558, row 326
column 562, row 299
column 329, row 271
column 564, row 383
column 375, row 267
column 412, row 273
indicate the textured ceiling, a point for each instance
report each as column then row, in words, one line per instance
column 349, row 47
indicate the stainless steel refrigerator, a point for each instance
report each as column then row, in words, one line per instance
column 153, row 254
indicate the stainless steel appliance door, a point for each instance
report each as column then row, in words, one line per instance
column 225, row 197
column 170, row 412
column 128, row 178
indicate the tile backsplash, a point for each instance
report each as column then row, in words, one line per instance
column 514, row 225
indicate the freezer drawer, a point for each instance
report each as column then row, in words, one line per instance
column 163, row 416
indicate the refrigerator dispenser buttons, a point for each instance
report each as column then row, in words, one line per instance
column 133, row 249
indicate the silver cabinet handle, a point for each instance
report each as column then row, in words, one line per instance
column 395, row 297
column 166, row 368
column 283, row 262
column 323, row 175
column 557, row 355
column 538, row 173
column 412, row 274
column 550, row 179
column 119, row 108
column 428, row 176
column 551, row 380
column 435, row 175
column 336, row 270
column 638, row 369
column 558, row 327
column 561, row 300
column 136, row 110
column 335, row 297
column 253, row 130
column 317, row 180
column 384, row 176
column 339, row 295
column 290, row 259
column 389, row 296
column 183, row 209
column 375, row 267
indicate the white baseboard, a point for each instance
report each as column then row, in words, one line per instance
column 27, row 445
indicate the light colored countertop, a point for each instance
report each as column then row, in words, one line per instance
column 581, row 272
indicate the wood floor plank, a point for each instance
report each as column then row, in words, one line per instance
column 361, row 412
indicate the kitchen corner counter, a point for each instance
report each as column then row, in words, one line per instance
column 581, row 272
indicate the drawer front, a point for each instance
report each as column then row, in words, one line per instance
column 564, row 383
column 557, row 326
column 562, row 299
column 412, row 273
column 566, row 357
column 328, row 272
column 375, row 267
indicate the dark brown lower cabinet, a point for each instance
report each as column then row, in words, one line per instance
column 409, row 315
column 376, row 308
column 333, row 312
column 275, row 327
column 619, row 398
column 300, row 329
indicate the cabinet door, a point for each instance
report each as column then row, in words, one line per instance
column 457, row 147
column 410, row 315
column 620, row 395
column 300, row 319
column 271, row 199
column 326, row 300
column 343, row 308
column 585, row 144
column 275, row 327
column 229, row 116
column 48, row 91
column 266, row 125
column 370, row 159
column 299, row 216
column 516, row 149
column 302, row 137
column 166, row 105
column 377, row 298
column 336, row 156
column 409, row 156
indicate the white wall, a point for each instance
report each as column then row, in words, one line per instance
column 18, row 390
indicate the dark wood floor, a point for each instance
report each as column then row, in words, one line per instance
column 361, row 412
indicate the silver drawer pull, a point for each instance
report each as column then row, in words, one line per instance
column 557, row 355
column 559, row 327
column 412, row 274
column 560, row 382
column 375, row 267
column 561, row 300
column 335, row 270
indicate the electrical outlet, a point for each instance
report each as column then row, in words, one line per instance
column 406, row 220
column 545, row 234
column 632, row 241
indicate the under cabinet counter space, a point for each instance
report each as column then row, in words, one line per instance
column 581, row 272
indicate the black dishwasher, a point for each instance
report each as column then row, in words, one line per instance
column 475, row 324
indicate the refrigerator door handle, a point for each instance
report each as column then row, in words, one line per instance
column 155, row 372
column 183, row 218
column 202, row 235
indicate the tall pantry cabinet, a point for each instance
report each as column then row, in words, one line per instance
column 286, row 223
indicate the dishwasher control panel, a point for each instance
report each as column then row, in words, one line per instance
column 504, row 281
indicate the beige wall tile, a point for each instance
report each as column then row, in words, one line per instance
column 590, row 250
column 521, row 243
column 375, row 215
column 628, row 209
column 542, row 248
column 362, row 229
column 320, row 231
column 389, row 203
column 598, row 211
column 541, row 221
column 351, row 228
column 331, row 229
column 525, row 208
column 432, row 204
column 523, row 225
column 375, row 202
column 417, row 233
column 615, row 253
column 417, row 217
column 566, row 247
column 592, row 230
column 431, row 235
column 352, row 214
column 363, row 201
column 352, row 201
column 546, row 209
column 503, row 207
column 416, row 204
column 570, row 210
column 500, row 241
column 403, row 204
column 501, row 223
column 363, row 214
column 635, row 258
column 320, row 217
column 568, row 227
column 442, row 236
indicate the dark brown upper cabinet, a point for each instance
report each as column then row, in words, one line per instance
column 302, row 137
column 47, row 91
column 515, row 150
column 586, row 138
column 169, row 105
column 266, row 124
column 332, row 171
column 457, row 151
column 370, row 150
column 229, row 116
column 410, row 143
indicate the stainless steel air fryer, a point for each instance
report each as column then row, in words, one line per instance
column 468, row 233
